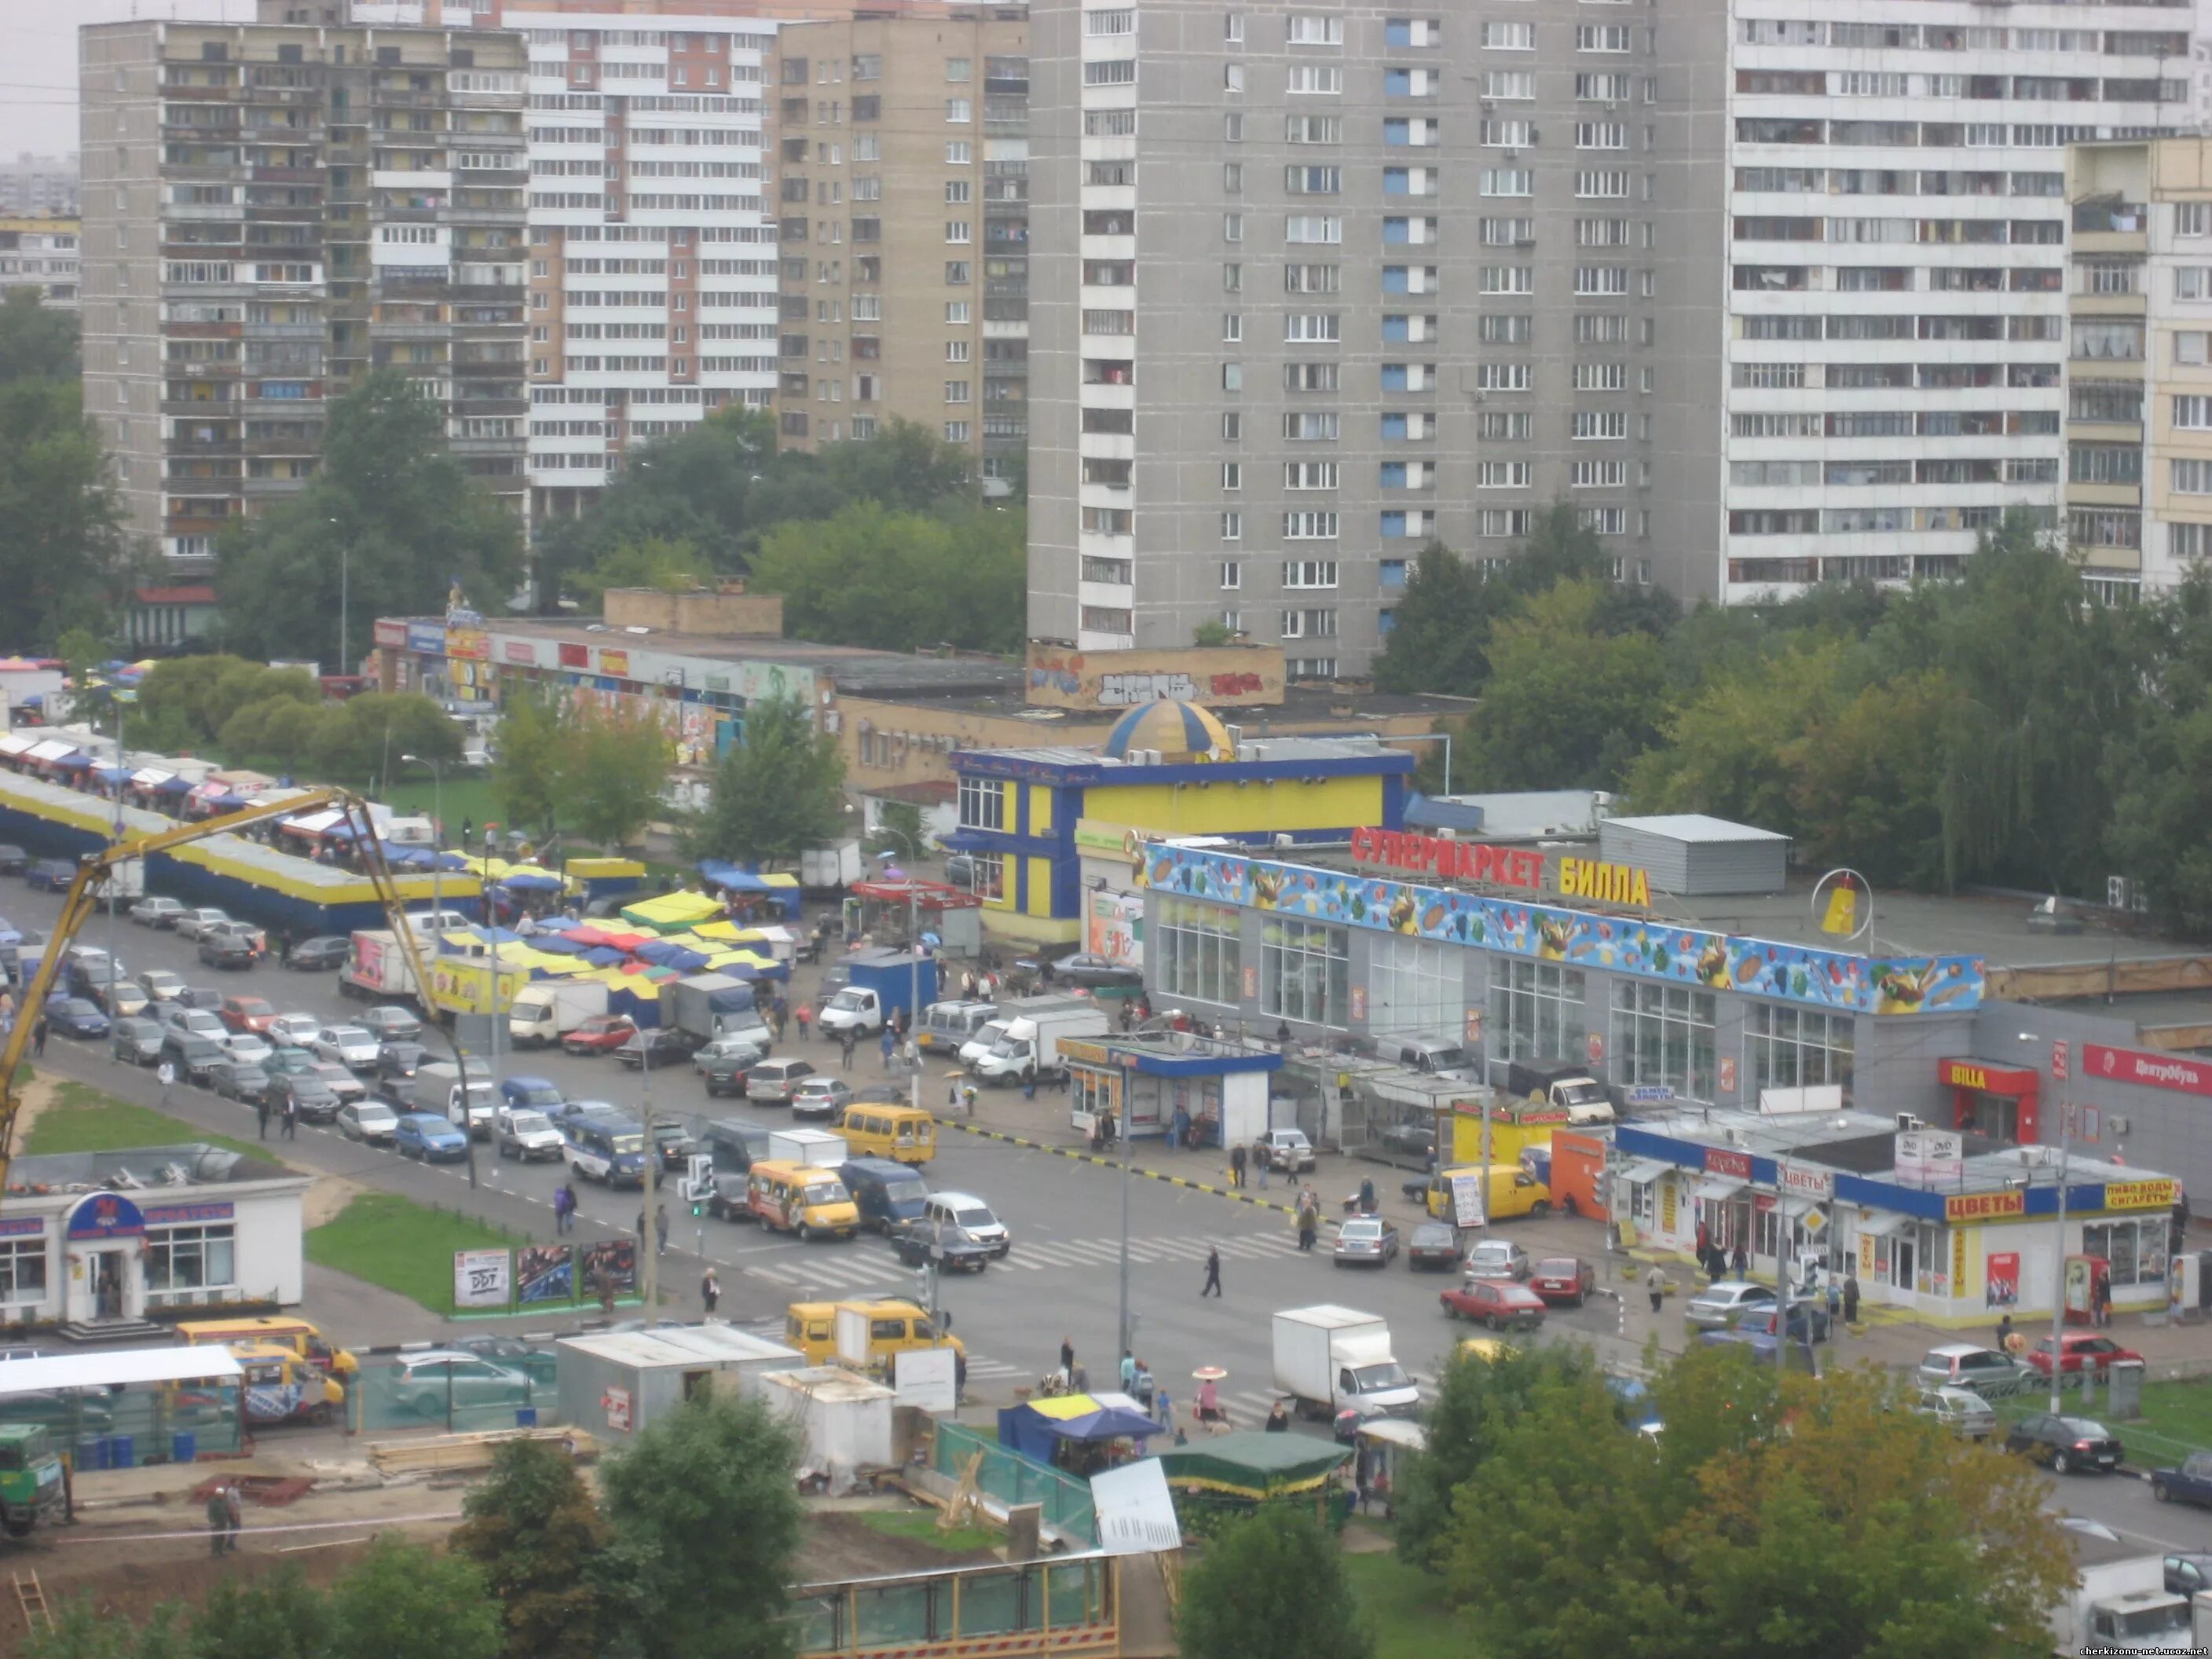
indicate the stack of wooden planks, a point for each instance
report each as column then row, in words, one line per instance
column 433, row 1454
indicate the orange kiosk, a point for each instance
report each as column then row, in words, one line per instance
column 2000, row 1102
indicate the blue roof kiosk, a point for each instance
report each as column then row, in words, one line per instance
column 1221, row 1087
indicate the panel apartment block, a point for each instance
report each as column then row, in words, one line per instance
column 40, row 251
column 1318, row 285
column 270, row 211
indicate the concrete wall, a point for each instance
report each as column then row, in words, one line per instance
column 698, row 613
column 1062, row 678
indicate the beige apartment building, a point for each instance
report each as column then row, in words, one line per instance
column 901, row 162
column 40, row 251
column 2139, row 361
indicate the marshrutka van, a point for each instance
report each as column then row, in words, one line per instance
column 797, row 1198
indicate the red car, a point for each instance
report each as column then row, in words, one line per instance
column 1497, row 1302
column 2083, row 1350
column 246, row 1014
column 1567, row 1281
column 602, row 1033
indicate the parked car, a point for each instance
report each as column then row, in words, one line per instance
column 1808, row 1322
column 1497, row 1302
column 1962, row 1411
column 50, row 875
column 744, row 1050
column 136, row 1039
column 192, row 1054
column 345, row 1045
column 248, row 1014
column 369, row 1121
column 307, row 1091
column 255, row 937
column 444, row 1380
column 201, row 1022
column 324, row 950
column 943, row 1242
column 2083, row 1351
column 2189, row 1481
column 237, row 1079
column 189, row 922
column 725, row 1073
column 389, row 1023
column 1724, row 1301
column 525, row 1133
column 538, row 1365
column 429, row 1137
column 294, row 1030
column 1965, row 1365
column 118, row 998
column 1498, row 1258
column 338, row 1080
column 2188, row 1572
column 246, row 1048
column 206, row 999
column 673, row 1141
column 1410, row 1140
column 1082, row 968
column 1287, row 1150
column 222, row 947
column 1432, row 1244
column 665, row 1046
column 1365, row 1240
column 155, row 911
column 1563, row 1280
column 601, row 1033
column 399, row 1061
column 291, row 1059
column 776, row 1080
column 74, row 1016
column 2065, row 1443
column 161, row 985
column 819, row 1098
column 12, row 859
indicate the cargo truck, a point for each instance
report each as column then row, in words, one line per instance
column 376, row 968
column 878, row 984
column 831, row 868
column 815, row 1148
column 1029, row 1047
column 1565, row 1083
column 438, row 1089
column 32, row 1490
column 1332, row 1359
column 547, row 1009
column 710, row 1006
column 464, row 985
column 2119, row 1603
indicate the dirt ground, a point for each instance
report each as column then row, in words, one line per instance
column 37, row 1094
column 323, row 1201
column 841, row 1546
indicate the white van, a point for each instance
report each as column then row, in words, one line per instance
column 946, row 1025
column 972, row 1216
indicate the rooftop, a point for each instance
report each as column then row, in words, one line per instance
column 1302, row 707
column 137, row 1169
column 1280, row 752
column 1864, row 1144
column 1697, row 827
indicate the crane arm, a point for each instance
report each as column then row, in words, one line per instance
column 95, row 870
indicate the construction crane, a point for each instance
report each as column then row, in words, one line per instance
column 94, row 871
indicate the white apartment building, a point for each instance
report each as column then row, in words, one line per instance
column 1898, row 269
column 41, row 253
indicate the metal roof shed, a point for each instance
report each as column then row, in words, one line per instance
column 1692, row 856
column 615, row 1383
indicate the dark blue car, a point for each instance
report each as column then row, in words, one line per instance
column 535, row 1094
column 50, row 875
column 421, row 1134
column 74, row 1016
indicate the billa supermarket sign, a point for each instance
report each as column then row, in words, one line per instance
column 1502, row 866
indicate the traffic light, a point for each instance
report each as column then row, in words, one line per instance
column 698, row 1210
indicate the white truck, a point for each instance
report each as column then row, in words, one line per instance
column 438, row 1089
column 827, row 869
column 1333, row 1359
column 547, row 1009
column 2120, row 1603
column 810, row 1148
column 1030, row 1046
column 376, row 968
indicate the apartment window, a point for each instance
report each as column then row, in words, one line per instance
column 1305, row 973
column 1310, row 525
column 1508, row 181
column 1506, row 328
column 958, row 153
column 1232, row 128
column 1312, row 279
column 2193, row 414
column 1318, row 181
column 1602, row 37
column 1309, row 377
column 1309, row 573
column 1502, row 426
column 1308, row 624
column 955, row 392
column 1307, row 28
column 1232, row 28
column 1232, row 279
column 1538, row 1010
column 1598, row 423
column 1501, row 475
column 1601, row 377
column 958, row 231
column 1315, row 80
column 1313, row 129
column 1232, row 475
column 1232, row 178
column 1232, row 427
column 1304, row 228
column 1310, row 475
column 1517, row 134
column 1305, row 328
column 1232, row 77
column 1507, row 233
column 1663, row 1036
column 1232, row 227
column 982, row 804
column 2192, row 281
column 1504, row 86
column 957, row 312
column 959, row 68
column 956, row 351
column 1232, row 574
column 1509, row 37
column 1120, row 21
column 957, row 273
column 2104, row 463
column 1501, row 377
column 1232, row 377
column 1232, row 529
column 959, row 110
column 1501, row 521
column 1320, row 427
column 1232, row 325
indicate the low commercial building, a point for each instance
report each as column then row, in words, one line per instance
column 1957, row 1229
column 149, row 1230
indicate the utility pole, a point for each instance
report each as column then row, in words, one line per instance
column 2058, row 1269
column 914, row 991
column 1128, row 1343
column 1782, row 1257
column 648, row 1237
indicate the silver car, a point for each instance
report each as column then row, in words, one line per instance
column 156, row 912
column 190, row 924
column 245, row 1046
column 1365, row 1240
column 1962, row 1411
column 1498, row 1258
column 345, row 1045
column 1720, row 1305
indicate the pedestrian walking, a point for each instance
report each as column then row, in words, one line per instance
column 890, row 1045
column 2101, row 1302
column 1654, row 1281
column 800, row 1014
column 261, row 1114
column 468, row 833
column 1852, row 1298
column 291, row 1118
column 563, row 1201
column 1212, row 1285
column 1308, row 1225
column 1128, row 1372
column 1738, row 1262
column 1164, row 1411
column 967, row 1098
column 845, row 1042
column 38, row 1038
column 2004, row 1335
column 1067, row 1355
column 1236, row 1164
column 607, row 1291
column 641, row 1227
column 218, row 1520
column 233, row 1516
column 710, row 1292
column 660, row 1226
column 1260, row 1160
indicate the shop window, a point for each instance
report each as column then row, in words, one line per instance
column 982, row 804
column 1536, row 1012
column 1796, row 1048
column 22, row 1270
column 2136, row 1250
column 1414, row 985
column 189, row 1259
column 1197, row 950
column 1305, row 972
column 1662, row 1035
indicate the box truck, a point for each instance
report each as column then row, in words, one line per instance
column 1333, row 1359
column 877, row 985
column 1029, row 1047
column 547, row 1009
column 815, row 1148
column 831, row 868
column 376, row 967
column 438, row 1089
column 709, row 1006
column 1565, row 1083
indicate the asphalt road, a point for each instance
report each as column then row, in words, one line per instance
column 1062, row 1278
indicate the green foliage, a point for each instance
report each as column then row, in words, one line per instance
column 528, row 759
column 706, row 1524
column 365, row 736
column 669, row 566
column 391, row 511
column 776, row 794
column 898, row 830
column 1211, row 633
column 892, row 580
column 1567, row 706
column 1439, row 639
column 1272, row 1586
column 84, row 1631
column 405, row 1601
column 65, row 560
column 533, row 1532
column 37, row 341
column 613, row 766
column 187, row 703
column 281, row 1615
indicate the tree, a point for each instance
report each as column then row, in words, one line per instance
column 1566, row 707
column 533, row 1532
column 406, row 1602
column 364, row 737
column 1210, row 633
column 65, row 559
column 528, row 755
column 37, row 341
column 706, row 1525
column 1272, row 1586
column 669, row 566
column 1440, row 626
column 777, row 792
column 957, row 582
column 281, row 1616
column 614, row 763
column 83, row 1629
column 391, row 517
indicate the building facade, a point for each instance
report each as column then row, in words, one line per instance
column 2139, row 372
column 39, row 185
column 41, row 254
column 901, row 162
column 277, row 210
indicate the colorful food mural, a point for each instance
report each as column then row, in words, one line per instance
column 1655, row 949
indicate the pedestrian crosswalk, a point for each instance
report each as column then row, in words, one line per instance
column 869, row 1266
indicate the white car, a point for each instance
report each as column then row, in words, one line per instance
column 744, row 1049
column 295, row 1030
column 156, row 911
column 198, row 1021
column 190, row 924
column 247, row 1047
column 437, row 921
column 347, row 1045
column 342, row 1083
column 525, row 1133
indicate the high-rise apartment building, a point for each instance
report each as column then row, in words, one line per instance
column 33, row 185
column 2138, row 393
column 1898, row 269
column 1314, row 286
column 901, row 162
column 271, row 211
column 39, row 253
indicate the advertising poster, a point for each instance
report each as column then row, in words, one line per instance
column 2000, row 1280
column 614, row 1257
column 545, row 1272
column 1467, row 1199
column 482, row 1278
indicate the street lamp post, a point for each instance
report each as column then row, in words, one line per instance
column 2057, row 1252
column 437, row 904
column 914, row 961
column 345, row 595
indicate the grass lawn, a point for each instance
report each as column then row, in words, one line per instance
column 2176, row 1419
column 80, row 1118
column 401, row 1245
column 1405, row 1607
column 920, row 1527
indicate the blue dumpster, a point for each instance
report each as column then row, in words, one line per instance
column 122, row 1452
column 183, row 1447
column 95, row 1454
column 525, row 1417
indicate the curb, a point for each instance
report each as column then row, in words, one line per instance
column 1229, row 1193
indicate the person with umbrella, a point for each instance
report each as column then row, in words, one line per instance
column 1208, row 1409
